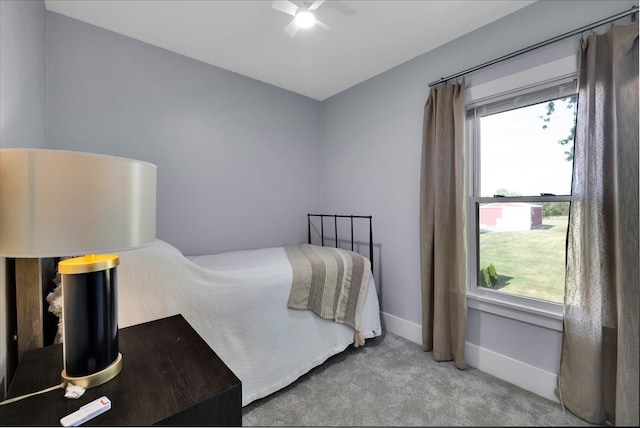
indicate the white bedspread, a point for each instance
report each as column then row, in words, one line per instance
column 237, row 302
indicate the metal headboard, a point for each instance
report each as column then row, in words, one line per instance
column 335, row 228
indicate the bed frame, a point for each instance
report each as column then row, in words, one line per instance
column 335, row 228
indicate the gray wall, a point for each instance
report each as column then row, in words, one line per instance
column 22, row 103
column 238, row 160
column 372, row 140
column 22, row 74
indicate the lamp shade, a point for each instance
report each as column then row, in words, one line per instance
column 61, row 203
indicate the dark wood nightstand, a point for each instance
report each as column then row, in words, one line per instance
column 170, row 376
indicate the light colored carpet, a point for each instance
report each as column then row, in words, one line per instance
column 393, row 382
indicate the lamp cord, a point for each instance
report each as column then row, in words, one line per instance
column 53, row 388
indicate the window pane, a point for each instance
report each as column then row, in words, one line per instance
column 528, row 151
column 525, row 244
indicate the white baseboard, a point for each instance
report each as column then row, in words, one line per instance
column 401, row 327
column 525, row 376
column 528, row 377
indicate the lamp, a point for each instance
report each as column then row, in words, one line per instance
column 61, row 203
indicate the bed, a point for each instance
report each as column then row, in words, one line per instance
column 237, row 302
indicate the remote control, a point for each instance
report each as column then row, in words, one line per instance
column 86, row 412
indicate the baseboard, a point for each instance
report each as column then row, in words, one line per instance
column 525, row 376
column 401, row 327
column 528, row 377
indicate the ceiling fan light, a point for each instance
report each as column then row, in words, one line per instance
column 305, row 19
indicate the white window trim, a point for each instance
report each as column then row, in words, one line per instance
column 534, row 311
column 553, row 70
column 550, row 315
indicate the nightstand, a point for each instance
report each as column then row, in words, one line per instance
column 170, row 376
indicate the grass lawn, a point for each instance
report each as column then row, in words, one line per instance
column 528, row 263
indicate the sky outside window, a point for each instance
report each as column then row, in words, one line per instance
column 518, row 155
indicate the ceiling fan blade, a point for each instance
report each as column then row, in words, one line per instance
column 341, row 7
column 322, row 24
column 285, row 6
column 292, row 28
column 316, row 4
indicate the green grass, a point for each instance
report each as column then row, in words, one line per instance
column 529, row 263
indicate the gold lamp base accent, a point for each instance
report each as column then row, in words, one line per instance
column 98, row 378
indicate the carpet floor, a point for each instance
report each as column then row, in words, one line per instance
column 393, row 382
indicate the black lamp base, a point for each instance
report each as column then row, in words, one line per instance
column 95, row 379
column 90, row 319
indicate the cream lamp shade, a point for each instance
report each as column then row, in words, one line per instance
column 60, row 203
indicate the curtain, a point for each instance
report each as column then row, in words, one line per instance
column 442, row 225
column 598, row 375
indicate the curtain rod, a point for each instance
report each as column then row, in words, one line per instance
column 634, row 9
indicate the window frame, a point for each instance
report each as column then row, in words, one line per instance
column 527, row 309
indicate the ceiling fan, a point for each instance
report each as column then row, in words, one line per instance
column 303, row 14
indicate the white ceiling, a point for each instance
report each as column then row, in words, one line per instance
column 366, row 38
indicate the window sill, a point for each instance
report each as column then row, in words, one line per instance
column 544, row 314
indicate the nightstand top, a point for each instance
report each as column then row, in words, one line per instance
column 170, row 375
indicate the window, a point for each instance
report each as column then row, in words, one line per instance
column 521, row 161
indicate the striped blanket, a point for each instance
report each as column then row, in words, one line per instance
column 331, row 282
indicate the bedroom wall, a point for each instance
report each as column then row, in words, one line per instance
column 372, row 140
column 238, row 160
column 22, row 104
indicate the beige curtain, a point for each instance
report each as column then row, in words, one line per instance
column 442, row 223
column 598, row 376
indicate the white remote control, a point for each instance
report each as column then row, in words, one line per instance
column 86, row 412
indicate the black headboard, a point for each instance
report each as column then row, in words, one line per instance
column 335, row 228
